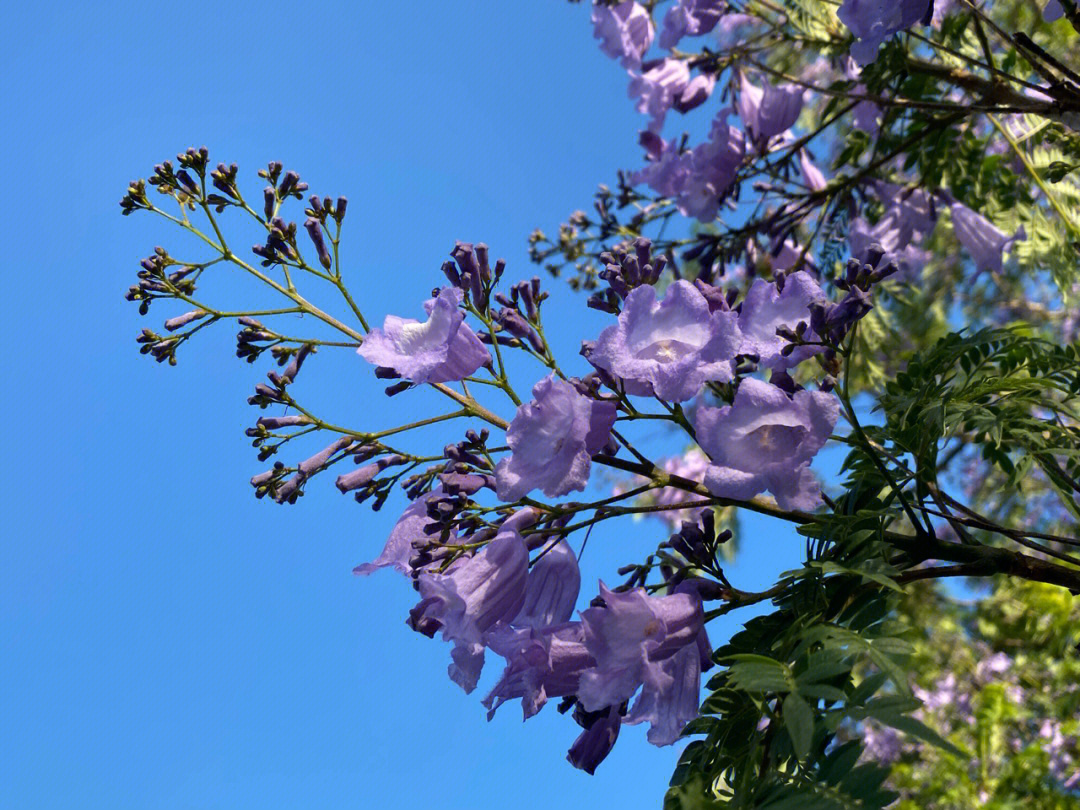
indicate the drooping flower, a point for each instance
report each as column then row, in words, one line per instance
column 983, row 241
column 472, row 599
column 697, row 179
column 690, row 18
column 629, row 638
column 441, row 349
column 657, row 88
column 669, row 697
column 625, row 31
column 540, row 664
column 765, row 441
column 766, row 308
column 769, row 111
column 668, row 348
column 399, row 546
column 872, row 22
column 552, row 440
column 552, row 588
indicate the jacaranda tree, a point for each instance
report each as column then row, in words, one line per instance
column 872, row 243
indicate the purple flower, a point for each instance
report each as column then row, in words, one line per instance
column 594, row 744
column 812, row 175
column 690, row 18
column 552, row 440
column 399, row 546
column 696, row 93
column 983, row 241
column 881, row 743
column 551, row 590
column 624, row 30
column 540, row 664
column 657, row 89
column 1052, row 12
column 472, row 599
column 629, row 638
column 696, row 179
column 765, row 309
column 668, row 348
column 441, row 349
column 765, row 441
column 767, row 112
column 669, row 697
column 872, row 22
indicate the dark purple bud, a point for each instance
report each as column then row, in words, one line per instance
column 314, row 229
column 310, row 465
column 262, row 478
column 298, row 360
column 251, row 323
column 596, row 741
column 316, row 203
column 397, row 388
column 183, row 320
column 189, row 185
column 715, row 296
column 357, row 478
column 269, row 198
column 339, row 208
column 288, row 183
column 465, row 484
column 465, row 256
column 289, row 490
column 451, row 273
column 500, row 268
column 275, row 422
column 482, row 259
column 386, row 373
column 598, row 301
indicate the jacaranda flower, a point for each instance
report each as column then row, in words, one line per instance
column 472, row 599
column 441, row 349
column 668, row 348
column 767, row 112
column 624, row 30
column 552, row 440
column 766, row 308
column 874, row 21
column 983, row 241
column 690, row 18
column 765, row 441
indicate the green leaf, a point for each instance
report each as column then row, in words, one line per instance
column 799, row 722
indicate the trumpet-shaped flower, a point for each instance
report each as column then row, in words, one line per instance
column 668, row 348
column 552, row 440
column 441, row 349
column 765, row 441
column 625, row 31
column 766, row 308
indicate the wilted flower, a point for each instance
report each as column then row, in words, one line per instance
column 668, row 348
column 594, row 744
column 552, row 440
column 441, row 349
column 765, row 441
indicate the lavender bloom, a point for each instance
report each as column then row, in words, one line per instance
column 670, row 696
column 765, row 309
column 594, row 744
column 552, row 440
column 872, row 22
column 1052, row 12
column 767, row 112
column 691, row 18
column 540, row 664
column 629, row 637
column 983, row 241
column 399, row 546
column 442, row 349
column 696, row 93
column 551, row 590
column 473, row 598
column 696, row 179
column 669, row 348
column 657, row 89
column 909, row 217
column 812, row 175
column 765, row 440
column 881, row 744
column 624, row 30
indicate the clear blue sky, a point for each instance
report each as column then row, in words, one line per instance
column 165, row 640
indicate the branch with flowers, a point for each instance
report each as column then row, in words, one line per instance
column 872, row 311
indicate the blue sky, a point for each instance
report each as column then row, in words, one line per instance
column 165, row 640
